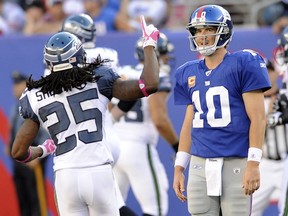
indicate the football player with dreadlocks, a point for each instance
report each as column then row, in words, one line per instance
column 83, row 26
column 225, row 120
column 279, row 118
column 71, row 104
column 147, row 119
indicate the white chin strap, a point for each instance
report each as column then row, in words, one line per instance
column 61, row 67
column 207, row 51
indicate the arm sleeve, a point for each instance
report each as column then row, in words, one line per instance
column 106, row 81
column 181, row 94
column 254, row 73
column 25, row 109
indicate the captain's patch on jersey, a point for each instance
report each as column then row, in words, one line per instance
column 191, row 81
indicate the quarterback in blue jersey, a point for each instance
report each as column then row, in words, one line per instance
column 224, row 124
column 71, row 104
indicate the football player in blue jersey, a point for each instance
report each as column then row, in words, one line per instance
column 71, row 104
column 225, row 120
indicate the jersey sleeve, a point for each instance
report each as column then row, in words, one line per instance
column 26, row 110
column 107, row 78
column 254, row 73
column 181, row 94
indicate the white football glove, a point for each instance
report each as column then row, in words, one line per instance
column 48, row 148
column 150, row 33
column 274, row 118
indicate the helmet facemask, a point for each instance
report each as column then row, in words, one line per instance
column 210, row 16
column 63, row 51
column 221, row 31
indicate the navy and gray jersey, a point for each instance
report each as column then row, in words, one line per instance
column 74, row 120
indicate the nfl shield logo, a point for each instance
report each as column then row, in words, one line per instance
column 191, row 81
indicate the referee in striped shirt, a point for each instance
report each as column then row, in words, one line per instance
column 274, row 164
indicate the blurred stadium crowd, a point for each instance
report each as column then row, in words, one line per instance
column 31, row 17
column 34, row 17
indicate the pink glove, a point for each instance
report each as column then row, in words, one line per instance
column 48, row 148
column 150, row 33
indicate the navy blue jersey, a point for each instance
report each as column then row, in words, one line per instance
column 220, row 124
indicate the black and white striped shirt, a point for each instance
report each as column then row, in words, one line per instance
column 275, row 145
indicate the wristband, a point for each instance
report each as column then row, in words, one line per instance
column 254, row 154
column 143, row 87
column 27, row 158
column 182, row 159
column 44, row 154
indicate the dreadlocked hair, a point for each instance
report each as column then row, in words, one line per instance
column 65, row 80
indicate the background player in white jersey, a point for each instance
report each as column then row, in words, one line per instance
column 71, row 103
column 139, row 165
column 224, row 121
column 279, row 117
column 274, row 153
column 83, row 26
